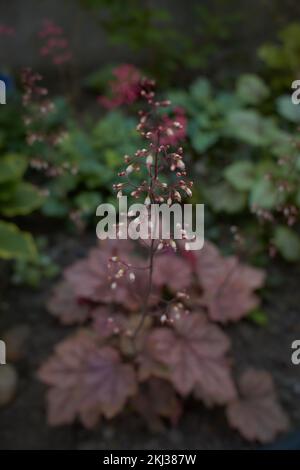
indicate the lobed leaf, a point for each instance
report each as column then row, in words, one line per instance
column 227, row 284
column 87, row 381
column 15, row 244
column 256, row 414
column 194, row 352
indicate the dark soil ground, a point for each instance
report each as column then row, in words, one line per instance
column 23, row 423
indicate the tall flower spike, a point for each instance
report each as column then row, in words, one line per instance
column 159, row 158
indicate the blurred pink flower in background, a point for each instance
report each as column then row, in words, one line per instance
column 6, row 30
column 174, row 136
column 124, row 88
column 55, row 45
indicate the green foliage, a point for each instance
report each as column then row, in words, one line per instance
column 152, row 31
column 264, row 194
column 96, row 153
column 283, row 59
column 240, row 175
column 249, row 126
column 287, row 109
column 16, row 198
column 259, row 317
column 15, row 244
column 24, row 199
column 252, row 89
column 11, row 127
column 224, row 198
column 287, row 242
column 31, row 271
column 237, row 139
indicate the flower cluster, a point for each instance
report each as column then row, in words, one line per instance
column 55, row 45
column 163, row 178
column 158, row 157
column 124, row 88
column 37, row 107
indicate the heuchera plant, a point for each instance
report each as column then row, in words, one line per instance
column 152, row 329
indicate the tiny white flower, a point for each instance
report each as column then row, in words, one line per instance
column 177, row 196
column 149, row 160
column 180, row 165
column 129, row 169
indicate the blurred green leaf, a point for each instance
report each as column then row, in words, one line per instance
column 264, row 194
column 12, row 167
column 14, row 243
column 259, row 317
column 223, row 198
column 287, row 242
column 55, row 207
column 201, row 90
column 25, row 199
column 240, row 175
column 202, row 140
column 249, row 126
column 287, row 109
column 88, row 202
column 251, row 89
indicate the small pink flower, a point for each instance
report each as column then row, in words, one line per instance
column 55, row 45
column 175, row 135
column 124, row 88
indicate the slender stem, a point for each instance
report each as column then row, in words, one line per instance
column 152, row 251
column 149, row 290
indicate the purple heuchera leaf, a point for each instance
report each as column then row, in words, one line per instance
column 87, row 380
column 256, row 414
column 64, row 305
column 193, row 352
column 108, row 323
column 173, row 272
column 227, row 285
column 157, row 399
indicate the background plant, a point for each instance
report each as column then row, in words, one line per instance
column 152, row 338
column 180, row 350
column 238, row 142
